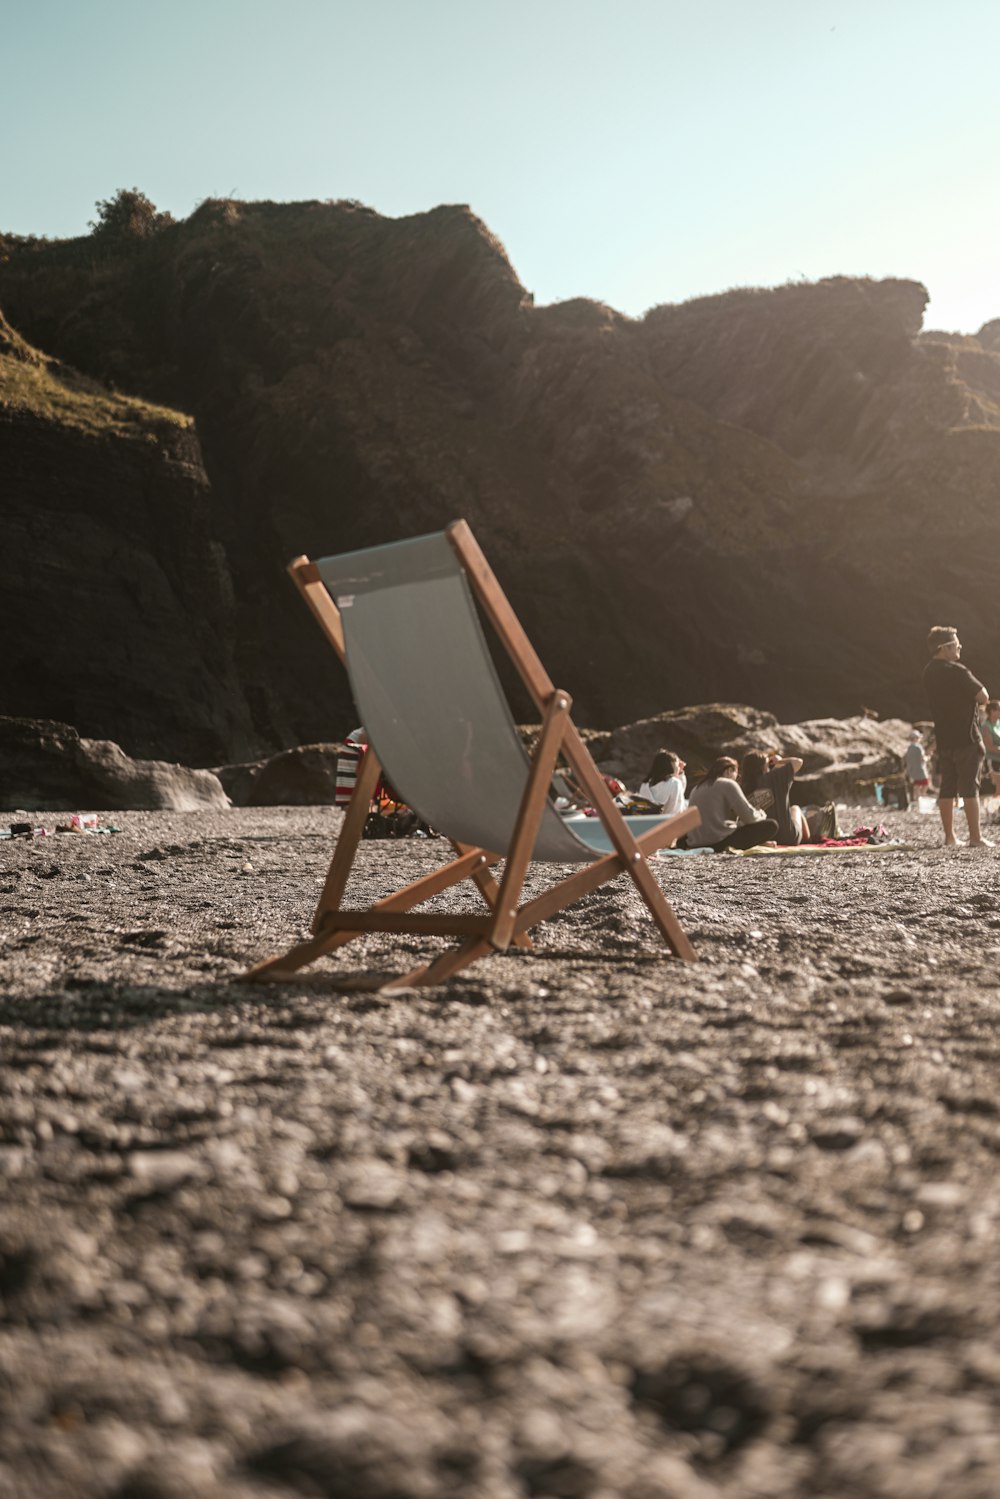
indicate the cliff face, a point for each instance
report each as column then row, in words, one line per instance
column 115, row 605
column 743, row 497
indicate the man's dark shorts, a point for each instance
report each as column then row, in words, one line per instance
column 960, row 772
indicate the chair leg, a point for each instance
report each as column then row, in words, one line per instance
column 633, row 858
column 489, row 889
column 663, row 913
column 284, row 965
column 444, row 967
column 526, row 828
column 350, row 837
column 591, row 877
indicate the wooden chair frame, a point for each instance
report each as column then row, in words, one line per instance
column 506, row 922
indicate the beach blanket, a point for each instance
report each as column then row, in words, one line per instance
column 846, row 846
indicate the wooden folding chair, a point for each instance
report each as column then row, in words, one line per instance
column 403, row 620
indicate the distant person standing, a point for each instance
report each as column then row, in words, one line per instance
column 955, row 696
column 991, row 738
column 915, row 761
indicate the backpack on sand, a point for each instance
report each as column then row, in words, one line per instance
column 822, row 822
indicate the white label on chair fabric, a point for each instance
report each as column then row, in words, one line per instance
column 345, row 601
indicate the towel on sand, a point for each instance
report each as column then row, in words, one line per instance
column 852, row 846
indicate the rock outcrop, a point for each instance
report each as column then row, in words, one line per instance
column 47, row 767
column 115, row 594
column 738, row 498
column 303, row 777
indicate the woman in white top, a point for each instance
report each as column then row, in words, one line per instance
column 727, row 818
column 665, row 785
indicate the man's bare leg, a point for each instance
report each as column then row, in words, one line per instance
column 946, row 807
column 976, row 839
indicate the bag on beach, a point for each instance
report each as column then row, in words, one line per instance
column 393, row 822
column 388, row 817
column 637, row 806
column 822, row 822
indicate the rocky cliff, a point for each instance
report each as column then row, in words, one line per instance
column 762, row 496
column 116, row 600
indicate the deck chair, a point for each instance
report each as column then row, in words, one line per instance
column 403, row 619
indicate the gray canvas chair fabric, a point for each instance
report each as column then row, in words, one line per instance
column 432, row 704
column 403, row 619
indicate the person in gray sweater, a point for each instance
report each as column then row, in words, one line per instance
column 727, row 818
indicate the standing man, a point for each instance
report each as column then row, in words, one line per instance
column 955, row 695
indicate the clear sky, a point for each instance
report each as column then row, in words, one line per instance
column 635, row 151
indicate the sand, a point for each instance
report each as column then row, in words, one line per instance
column 584, row 1223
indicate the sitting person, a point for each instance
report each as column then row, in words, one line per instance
column 766, row 778
column 665, row 785
column 727, row 818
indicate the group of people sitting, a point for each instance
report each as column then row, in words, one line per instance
column 742, row 805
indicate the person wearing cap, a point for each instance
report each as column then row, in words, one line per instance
column 955, row 696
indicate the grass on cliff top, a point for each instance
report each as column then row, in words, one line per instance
column 54, row 393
